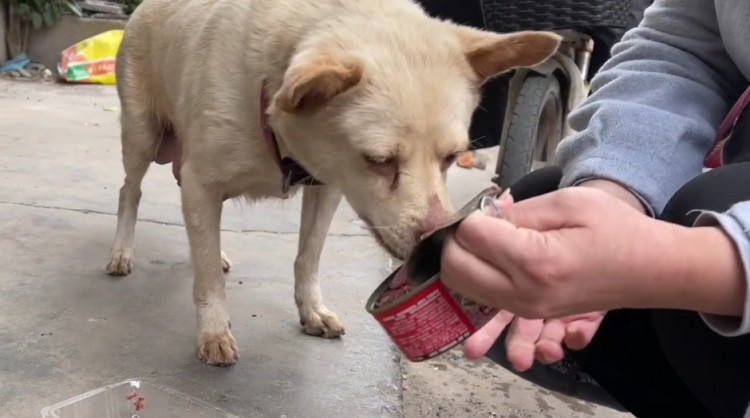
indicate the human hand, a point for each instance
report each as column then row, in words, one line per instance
column 577, row 251
column 530, row 340
column 615, row 190
column 542, row 340
column 568, row 252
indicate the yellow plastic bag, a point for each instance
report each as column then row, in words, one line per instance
column 92, row 60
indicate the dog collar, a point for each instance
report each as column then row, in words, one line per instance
column 291, row 171
column 714, row 158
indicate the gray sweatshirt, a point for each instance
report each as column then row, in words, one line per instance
column 656, row 106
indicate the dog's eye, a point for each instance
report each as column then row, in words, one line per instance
column 379, row 160
column 386, row 166
column 448, row 161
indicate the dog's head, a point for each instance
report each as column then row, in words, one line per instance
column 383, row 118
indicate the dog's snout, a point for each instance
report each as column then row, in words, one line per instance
column 435, row 217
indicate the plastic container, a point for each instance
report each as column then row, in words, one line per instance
column 133, row 398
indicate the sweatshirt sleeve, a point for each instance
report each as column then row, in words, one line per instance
column 655, row 105
column 736, row 223
column 652, row 117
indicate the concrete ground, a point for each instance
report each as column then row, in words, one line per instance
column 66, row 327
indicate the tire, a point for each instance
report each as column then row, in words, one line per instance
column 535, row 129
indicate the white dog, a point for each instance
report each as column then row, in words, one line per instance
column 369, row 99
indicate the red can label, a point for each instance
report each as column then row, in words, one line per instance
column 429, row 323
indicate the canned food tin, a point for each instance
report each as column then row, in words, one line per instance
column 424, row 261
column 427, row 320
column 417, row 311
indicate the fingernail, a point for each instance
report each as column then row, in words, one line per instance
column 490, row 207
column 506, row 197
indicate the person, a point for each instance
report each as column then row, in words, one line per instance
column 636, row 265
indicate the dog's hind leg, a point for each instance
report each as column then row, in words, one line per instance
column 140, row 139
column 319, row 204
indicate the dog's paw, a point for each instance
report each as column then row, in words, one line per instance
column 218, row 349
column 321, row 322
column 216, row 344
column 120, row 263
column 226, row 264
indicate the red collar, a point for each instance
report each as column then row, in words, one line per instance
column 292, row 173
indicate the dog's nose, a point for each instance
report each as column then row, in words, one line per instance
column 435, row 218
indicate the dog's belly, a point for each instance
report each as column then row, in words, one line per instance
column 215, row 112
column 170, row 151
column 250, row 184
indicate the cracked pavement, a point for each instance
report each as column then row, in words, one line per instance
column 66, row 327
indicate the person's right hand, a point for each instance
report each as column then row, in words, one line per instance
column 617, row 191
column 544, row 340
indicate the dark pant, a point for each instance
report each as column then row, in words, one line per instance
column 660, row 363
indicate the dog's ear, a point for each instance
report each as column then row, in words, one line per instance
column 314, row 79
column 491, row 54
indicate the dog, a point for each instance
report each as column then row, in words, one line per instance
column 370, row 100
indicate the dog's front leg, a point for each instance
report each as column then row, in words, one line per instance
column 319, row 204
column 201, row 207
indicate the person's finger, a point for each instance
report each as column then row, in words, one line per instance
column 549, row 347
column 579, row 333
column 505, row 200
column 551, row 211
column 495, row 240
column 471, row 276
column 521, row 342
column 506, row 197
column 477, row 345
column 496, row 207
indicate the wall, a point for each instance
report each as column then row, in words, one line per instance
column 45, row 45
column 3, row 23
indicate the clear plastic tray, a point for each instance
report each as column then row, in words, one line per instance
column 121, row 400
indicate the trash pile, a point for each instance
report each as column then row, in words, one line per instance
column 103, row 9
column 472, row 159
column 91, row 61
column 22, row 68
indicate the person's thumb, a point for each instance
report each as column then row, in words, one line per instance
column 496, row 207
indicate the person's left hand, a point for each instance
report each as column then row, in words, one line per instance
column 530, row 340
column 572, row 251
